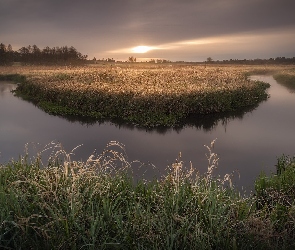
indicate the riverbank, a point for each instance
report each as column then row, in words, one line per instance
column 286, row 78
column 145, row 97
column 97, row 204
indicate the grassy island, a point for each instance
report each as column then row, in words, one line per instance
column 143, row 95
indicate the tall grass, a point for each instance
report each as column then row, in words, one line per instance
column 97, row 204
column 276, row 200
column 286, row 78
column 144, row 97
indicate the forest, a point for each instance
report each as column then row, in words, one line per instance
column 33, row 55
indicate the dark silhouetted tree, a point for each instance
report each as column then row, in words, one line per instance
column 209, row 59
column 131, row 59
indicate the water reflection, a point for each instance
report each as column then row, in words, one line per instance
column 211, row 121
column 289, row 85
column 200, row 122
column 248, row 141
column 6, row 87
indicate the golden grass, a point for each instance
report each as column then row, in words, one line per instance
column 143, row 94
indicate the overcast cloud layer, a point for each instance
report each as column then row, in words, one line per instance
column 190, row 30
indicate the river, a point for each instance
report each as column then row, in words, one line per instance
column 247, row 143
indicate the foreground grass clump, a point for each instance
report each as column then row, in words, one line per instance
column 146, row 97
column 97, row 205
column 276, row 200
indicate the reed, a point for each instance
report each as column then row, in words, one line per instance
column 65, row 204
column 286, row 78
column 144, row 97
column 275, row 199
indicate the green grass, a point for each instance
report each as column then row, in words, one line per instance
column 18, row 78
column 98, row 205
column 276, row 199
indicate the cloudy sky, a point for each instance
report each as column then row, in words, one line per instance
column 189, row 30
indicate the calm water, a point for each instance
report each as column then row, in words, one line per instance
column 247, row 143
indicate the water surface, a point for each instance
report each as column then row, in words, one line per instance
column 247, row 142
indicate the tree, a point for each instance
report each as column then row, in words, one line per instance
column 3, row 54
column 24, row 54
column 10, row 54
column 36, row 54
column 9, row 48
column 131, row 59
column 209, row 59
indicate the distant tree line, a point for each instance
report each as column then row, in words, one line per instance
column 103, row 60
column 159, row 61
column 34, row 55
column 277, row 60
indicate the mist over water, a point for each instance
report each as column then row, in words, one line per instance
column 248, row 141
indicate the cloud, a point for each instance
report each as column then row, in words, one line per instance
column 244, row 45
column 98, row 27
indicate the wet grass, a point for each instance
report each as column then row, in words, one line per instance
column 97, row 204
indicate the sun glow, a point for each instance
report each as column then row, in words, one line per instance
column 141, row 49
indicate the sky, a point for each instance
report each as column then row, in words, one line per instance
column 176, row 30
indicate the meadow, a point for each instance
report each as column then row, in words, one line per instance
column 97, row 204
column 143, row 95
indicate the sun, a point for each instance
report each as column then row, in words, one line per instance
column 141, row 49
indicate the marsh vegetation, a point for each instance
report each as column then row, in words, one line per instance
column 147, row 97
column 97, row 204
column 286, row 78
